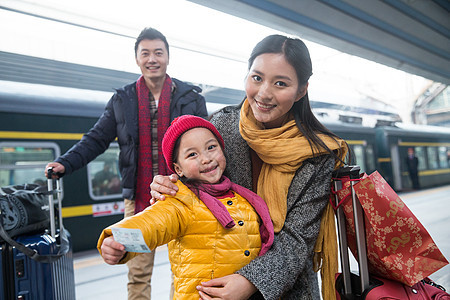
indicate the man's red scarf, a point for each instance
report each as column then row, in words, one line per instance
column 144, row 166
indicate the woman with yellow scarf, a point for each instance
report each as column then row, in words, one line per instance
column 275, row 146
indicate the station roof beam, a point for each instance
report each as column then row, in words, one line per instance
column 413, row 36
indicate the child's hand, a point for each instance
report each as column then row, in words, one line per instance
column 163, row 184
column 112, row 251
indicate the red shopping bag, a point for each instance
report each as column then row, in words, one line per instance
column 398, row 246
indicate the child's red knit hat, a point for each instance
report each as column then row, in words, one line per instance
column 179, row 126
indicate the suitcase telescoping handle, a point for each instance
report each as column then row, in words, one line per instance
column 351, row 172
column 62, row 240
column 52, row 193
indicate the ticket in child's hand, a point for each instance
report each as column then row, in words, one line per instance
column 132, row 239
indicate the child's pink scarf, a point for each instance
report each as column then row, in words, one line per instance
column 208, row 193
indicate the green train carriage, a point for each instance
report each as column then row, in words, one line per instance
column 431, row 145
column 385, row 149
column 38, row 123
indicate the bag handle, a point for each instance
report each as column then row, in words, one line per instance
column 335, row 191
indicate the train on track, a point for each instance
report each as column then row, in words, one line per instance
column 38, row 123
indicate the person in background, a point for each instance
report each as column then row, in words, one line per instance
column 138, row 115
column 102, row 179
column 278, row 148
column 412, row 163
column 213, row 226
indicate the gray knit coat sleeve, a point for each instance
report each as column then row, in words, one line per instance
column 286, row 269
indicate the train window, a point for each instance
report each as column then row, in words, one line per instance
column 25, row 162
column 432, row 157
column 370, row 159
column 420, row 153
column 443, row 159
column 103, row 175
column 358, row 151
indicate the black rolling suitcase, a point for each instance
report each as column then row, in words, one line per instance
column 39, row 266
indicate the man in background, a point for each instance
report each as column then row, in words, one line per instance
column 412, row 163
column 138, row 115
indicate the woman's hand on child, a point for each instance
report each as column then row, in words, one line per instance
column 112, row 251
column 163, row 185
column 230, row 287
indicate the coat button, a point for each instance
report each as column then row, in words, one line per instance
column 229, row 202
column 241, row 223
column 246, row 253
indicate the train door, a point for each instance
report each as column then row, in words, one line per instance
column 419, row 152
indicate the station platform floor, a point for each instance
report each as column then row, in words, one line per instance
column 95, row 279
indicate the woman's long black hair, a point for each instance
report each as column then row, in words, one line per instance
column 297, row 55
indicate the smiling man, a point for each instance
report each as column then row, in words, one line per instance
column 138, row 115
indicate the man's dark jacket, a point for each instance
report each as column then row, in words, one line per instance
column 120, row 119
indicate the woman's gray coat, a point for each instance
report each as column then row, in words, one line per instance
column 286, row 270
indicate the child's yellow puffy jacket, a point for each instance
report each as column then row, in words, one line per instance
column 200, row 248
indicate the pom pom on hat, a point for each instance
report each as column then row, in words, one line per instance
column 179, row 126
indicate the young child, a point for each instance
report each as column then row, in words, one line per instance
column 213, row 227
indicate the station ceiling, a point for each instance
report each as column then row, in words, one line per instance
column 410, row 35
